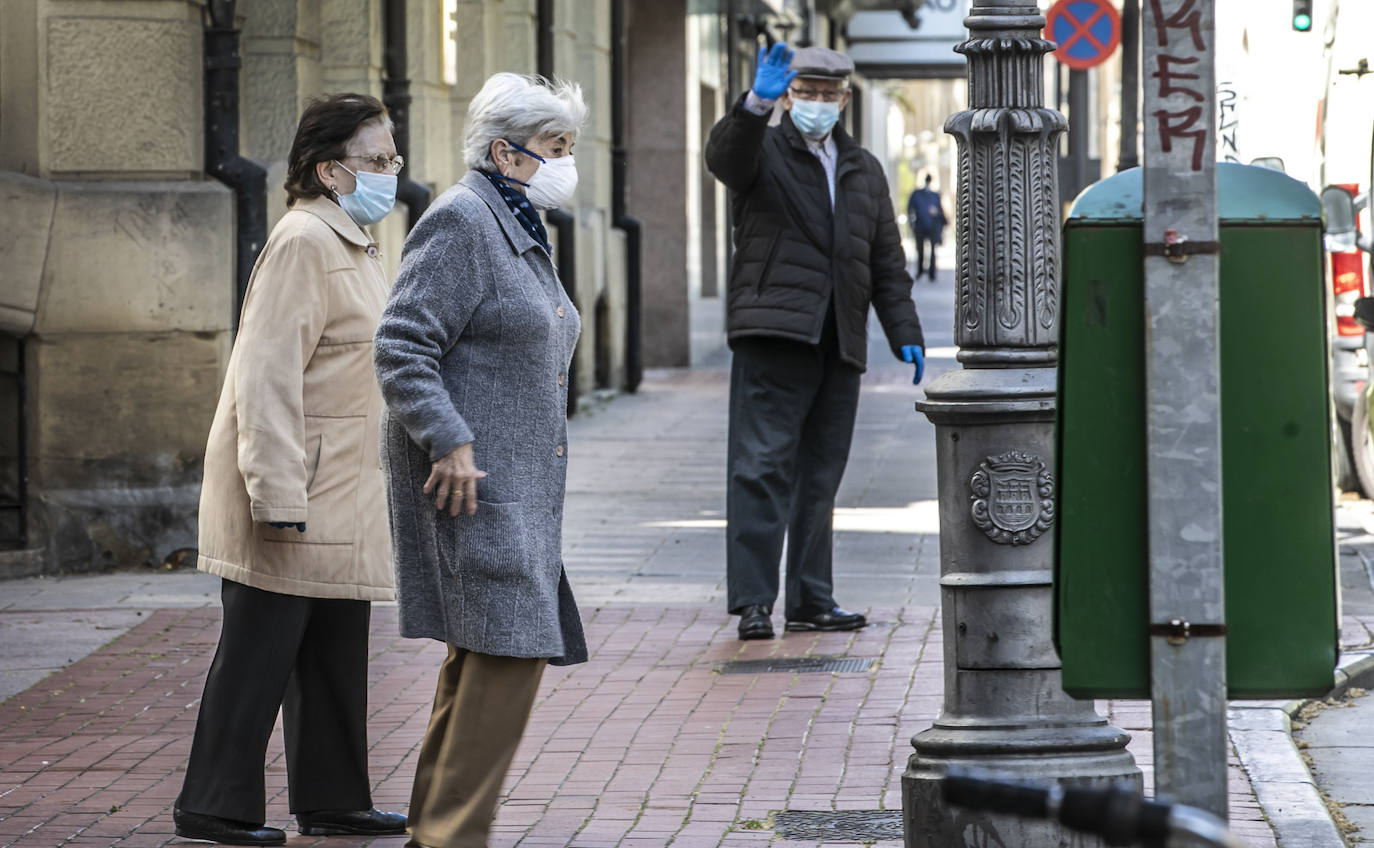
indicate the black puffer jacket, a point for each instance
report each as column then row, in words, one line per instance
column 792, row 253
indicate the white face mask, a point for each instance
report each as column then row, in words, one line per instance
column 553, row 184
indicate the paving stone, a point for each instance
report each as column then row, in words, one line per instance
column 1362, row 816
column 644, row 745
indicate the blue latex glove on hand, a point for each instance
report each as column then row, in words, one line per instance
column 771, row 76
column 916, row 356
column 282, row 525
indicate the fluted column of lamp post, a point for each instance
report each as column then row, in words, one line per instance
column 1004, row 708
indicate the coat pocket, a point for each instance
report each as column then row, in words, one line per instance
column 767, row 265
column 312, row 462
column 333, row 494
column 333, row 464
column 493, row 547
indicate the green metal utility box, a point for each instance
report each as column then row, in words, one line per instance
column 1282, row 606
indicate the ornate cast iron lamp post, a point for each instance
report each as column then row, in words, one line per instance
column 994, row 420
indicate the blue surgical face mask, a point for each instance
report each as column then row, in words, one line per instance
column 813, row 118
column 372, row 198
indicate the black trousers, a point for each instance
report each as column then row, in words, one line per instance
column 308, row 657
column 792, row 409
column 922, row 243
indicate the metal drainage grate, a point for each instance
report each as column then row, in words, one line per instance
column 798, row 665
column 849, row 826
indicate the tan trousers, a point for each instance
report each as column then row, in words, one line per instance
column 481, row 707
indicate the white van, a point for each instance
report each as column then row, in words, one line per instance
column 1345, row 171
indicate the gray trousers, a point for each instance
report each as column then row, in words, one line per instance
column 792, row 409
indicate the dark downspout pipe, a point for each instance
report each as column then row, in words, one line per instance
column 808, row 24
column 561, row 221
column 1078, row 133
column 620, row 190
column 222, row 160
column 731, row 53
column 1130, row 83
column 732, row 36
column 543, row 47
column 396, row 97
column 562, row 224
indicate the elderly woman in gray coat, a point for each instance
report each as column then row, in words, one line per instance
column 472, row 354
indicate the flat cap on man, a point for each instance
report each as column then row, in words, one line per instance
column 821, row 62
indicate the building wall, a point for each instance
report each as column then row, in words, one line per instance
column 118, row 270
column 118, row 274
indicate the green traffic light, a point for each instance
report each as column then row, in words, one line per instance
column 1302, row 23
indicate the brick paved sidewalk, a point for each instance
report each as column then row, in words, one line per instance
column 650, row 743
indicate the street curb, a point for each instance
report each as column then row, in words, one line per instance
column 1262, row 735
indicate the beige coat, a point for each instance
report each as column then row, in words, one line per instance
column 295, row 435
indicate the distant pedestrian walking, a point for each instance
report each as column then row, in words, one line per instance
column 926, row 216
column 816, row 242
column 472, row 354
column 292, row 512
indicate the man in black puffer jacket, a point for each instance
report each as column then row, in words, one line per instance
column 816, row 242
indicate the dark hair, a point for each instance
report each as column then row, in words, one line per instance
column 327, row 124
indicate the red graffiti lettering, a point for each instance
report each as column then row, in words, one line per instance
column 1185, row 18
column 1168, row 75
column 1183, row 124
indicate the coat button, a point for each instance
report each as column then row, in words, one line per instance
column 562, row 313
column 562, row 380
column 558, row 451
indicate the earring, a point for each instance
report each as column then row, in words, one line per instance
column 334, row 189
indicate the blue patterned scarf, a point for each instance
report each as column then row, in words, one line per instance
column 524, row 211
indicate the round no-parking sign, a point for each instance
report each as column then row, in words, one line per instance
column 1087, row 32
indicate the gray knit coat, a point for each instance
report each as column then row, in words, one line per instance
column 474, row 346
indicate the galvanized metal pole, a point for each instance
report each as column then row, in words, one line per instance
column 1183, row 396
column 1004, row 707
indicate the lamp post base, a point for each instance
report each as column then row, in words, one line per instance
column 1088, row 754
column 1004, row 706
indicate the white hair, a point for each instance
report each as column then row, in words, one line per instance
column 518, row 108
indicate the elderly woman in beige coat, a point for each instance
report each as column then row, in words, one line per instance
column 292, row 513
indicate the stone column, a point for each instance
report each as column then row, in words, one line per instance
column 659, row 152
column 1004, row 708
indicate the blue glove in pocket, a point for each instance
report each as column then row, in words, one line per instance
column 282, row 525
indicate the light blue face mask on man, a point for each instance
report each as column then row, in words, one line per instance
column 373, row 197
column 813, row 118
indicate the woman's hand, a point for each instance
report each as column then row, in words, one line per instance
column 453, row 481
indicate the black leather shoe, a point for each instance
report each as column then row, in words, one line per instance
column 754, row 623
column 832, row 619
column 372, row 822
column 225, row 831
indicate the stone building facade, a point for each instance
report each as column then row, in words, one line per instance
column 117, row 273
